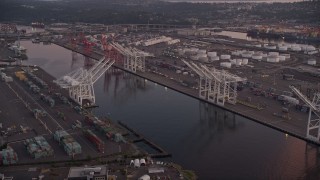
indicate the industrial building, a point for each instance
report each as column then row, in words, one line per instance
column 88, row 173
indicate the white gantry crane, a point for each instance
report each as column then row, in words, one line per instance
column 215, row 85
column 134, row 58
column 313, row 128
column 80, row 82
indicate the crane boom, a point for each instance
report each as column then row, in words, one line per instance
column 303, row 98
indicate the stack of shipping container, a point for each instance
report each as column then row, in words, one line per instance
column 38, row 147
column 70, row 146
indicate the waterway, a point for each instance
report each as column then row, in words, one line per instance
column 215, row 143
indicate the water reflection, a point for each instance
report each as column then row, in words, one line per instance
column 213, row 123
column 128, row 88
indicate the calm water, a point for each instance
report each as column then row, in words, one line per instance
column 198, row 136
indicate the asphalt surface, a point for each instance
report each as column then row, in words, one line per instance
column 17, row 104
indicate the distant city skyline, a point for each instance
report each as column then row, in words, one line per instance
column 212, row 1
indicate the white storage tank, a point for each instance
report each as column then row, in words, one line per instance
column 273, row 53
column 312, row 62
column 225, row 56
column 245, row 61
column 310, row 48
column 273, row 59
column 313, row 52
column 203, row 59
column 257, row 57
column 145, row 177
column 282, row 58
column 225, row 64
column 238, row 62
column 202, row 55
column 191, row 51
column 214, row 58
column 246, row 55
column 136, row 163
column 181, row 52
column 235, row 53
column 143, row 162
column 202, row 51
column 295, row 48
column 286, row 55
column 233, row 61
column 194, row 50
column 195, row 58
column 269, row 46
column 283, row 48
column 212, row 54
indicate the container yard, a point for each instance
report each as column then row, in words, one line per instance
column 60, row 135
column 50, row 126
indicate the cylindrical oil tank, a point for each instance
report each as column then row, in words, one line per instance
column 225, row 64
column 225, row 56
column 264, row 55
column 181, row 52
column 212, row 54
column 202, row 55
column 233, row 61
column 312, row 62
column 310, row 48
column 202, row 51
column 286, row 55
column 238, row 62
column 235, row 53
column 195, row 58
column 214, row 58
column 273, row 59
column 246, row 55
column 257, row 56
column 273, row 53
column 269, row 46
column 245, row 61
column 295, row 48
column 283, row 48
column 203, row 59
column 282, row 58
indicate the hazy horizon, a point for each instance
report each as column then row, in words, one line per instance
column 233, row 0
